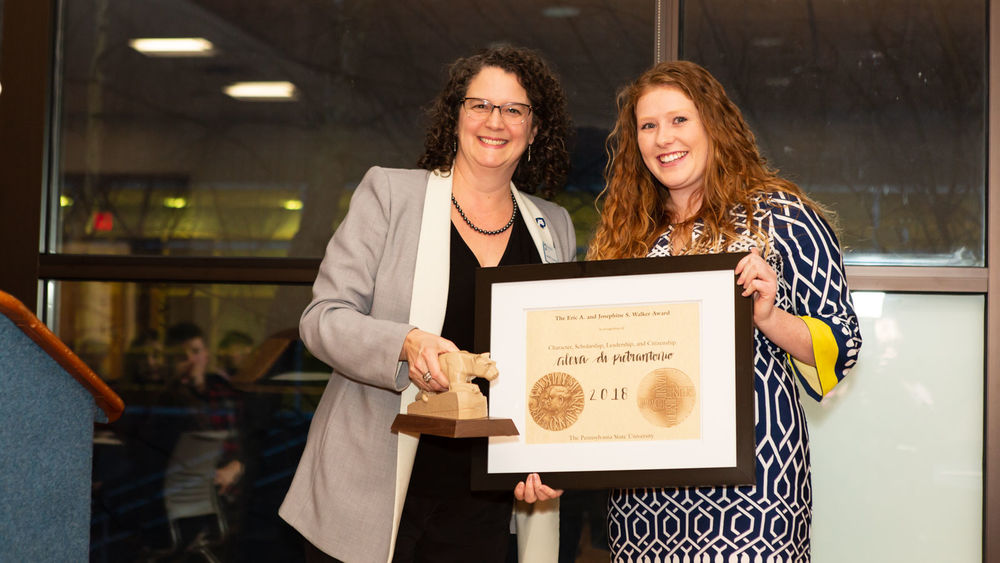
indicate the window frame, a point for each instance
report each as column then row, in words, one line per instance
column 29, row 37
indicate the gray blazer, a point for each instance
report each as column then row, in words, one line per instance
column 344, row 497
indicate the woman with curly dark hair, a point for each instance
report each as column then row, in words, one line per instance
column 546, row 164
column 396, row 289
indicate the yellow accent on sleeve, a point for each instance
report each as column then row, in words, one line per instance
column 823, row 377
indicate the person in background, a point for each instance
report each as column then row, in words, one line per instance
column 212, row 404
column 686, row 177
column 144, row 360
column 396, row 289
column 235, row 348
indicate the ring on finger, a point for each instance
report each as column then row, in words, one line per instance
column 427, row 376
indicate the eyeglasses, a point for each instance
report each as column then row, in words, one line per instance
column 513, row 113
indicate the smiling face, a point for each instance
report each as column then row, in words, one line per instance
column 492, row 143
column 673, row 141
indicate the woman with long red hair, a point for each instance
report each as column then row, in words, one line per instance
column 686, row 177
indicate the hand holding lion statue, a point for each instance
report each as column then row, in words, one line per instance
column 462, row 400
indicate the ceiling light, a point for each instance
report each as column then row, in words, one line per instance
column 561, row 12
column 262, row 91
column 173, row 46
column 65, row 201
column 175, row 202
column 292, row 204
column 767, row 42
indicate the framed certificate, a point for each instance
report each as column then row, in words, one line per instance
column 619, row 373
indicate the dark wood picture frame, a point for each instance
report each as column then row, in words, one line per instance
column 742, row 473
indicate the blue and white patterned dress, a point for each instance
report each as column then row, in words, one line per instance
column 768, row 522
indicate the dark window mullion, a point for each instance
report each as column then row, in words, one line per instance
column 178, row 269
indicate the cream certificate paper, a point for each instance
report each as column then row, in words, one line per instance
column 613, row 374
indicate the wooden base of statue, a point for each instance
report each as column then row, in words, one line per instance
column 454, row 428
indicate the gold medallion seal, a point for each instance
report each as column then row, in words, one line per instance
column 666, row 397
column 556, row 401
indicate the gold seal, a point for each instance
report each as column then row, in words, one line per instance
column 556, row 401
column 666, row 397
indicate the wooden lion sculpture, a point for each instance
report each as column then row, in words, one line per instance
column 462, row 400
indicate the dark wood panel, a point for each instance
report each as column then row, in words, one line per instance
column 25, row 57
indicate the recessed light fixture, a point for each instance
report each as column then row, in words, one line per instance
column 175, row 202
column 292, row 204
column 768, row 42
column 173, row 46
column 278, row 91
column 561, row 12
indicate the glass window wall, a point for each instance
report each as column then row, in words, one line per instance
column 875, row 108
column 156, row 158
column 219, row 393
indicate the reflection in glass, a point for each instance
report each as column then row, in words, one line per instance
column 157, row 159
column 877, row 109
column 219, row 393
column 212, row 375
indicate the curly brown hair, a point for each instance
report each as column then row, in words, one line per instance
column 635, row 212
column 549, row 165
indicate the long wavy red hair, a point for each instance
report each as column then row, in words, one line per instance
column 635, row 210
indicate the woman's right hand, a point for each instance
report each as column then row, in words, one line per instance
column 421, row 350
column 533, row 490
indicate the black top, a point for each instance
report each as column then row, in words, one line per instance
column 443, row 465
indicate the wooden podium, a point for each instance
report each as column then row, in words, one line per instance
column 50, row 403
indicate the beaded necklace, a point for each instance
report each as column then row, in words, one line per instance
column 484, row 231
